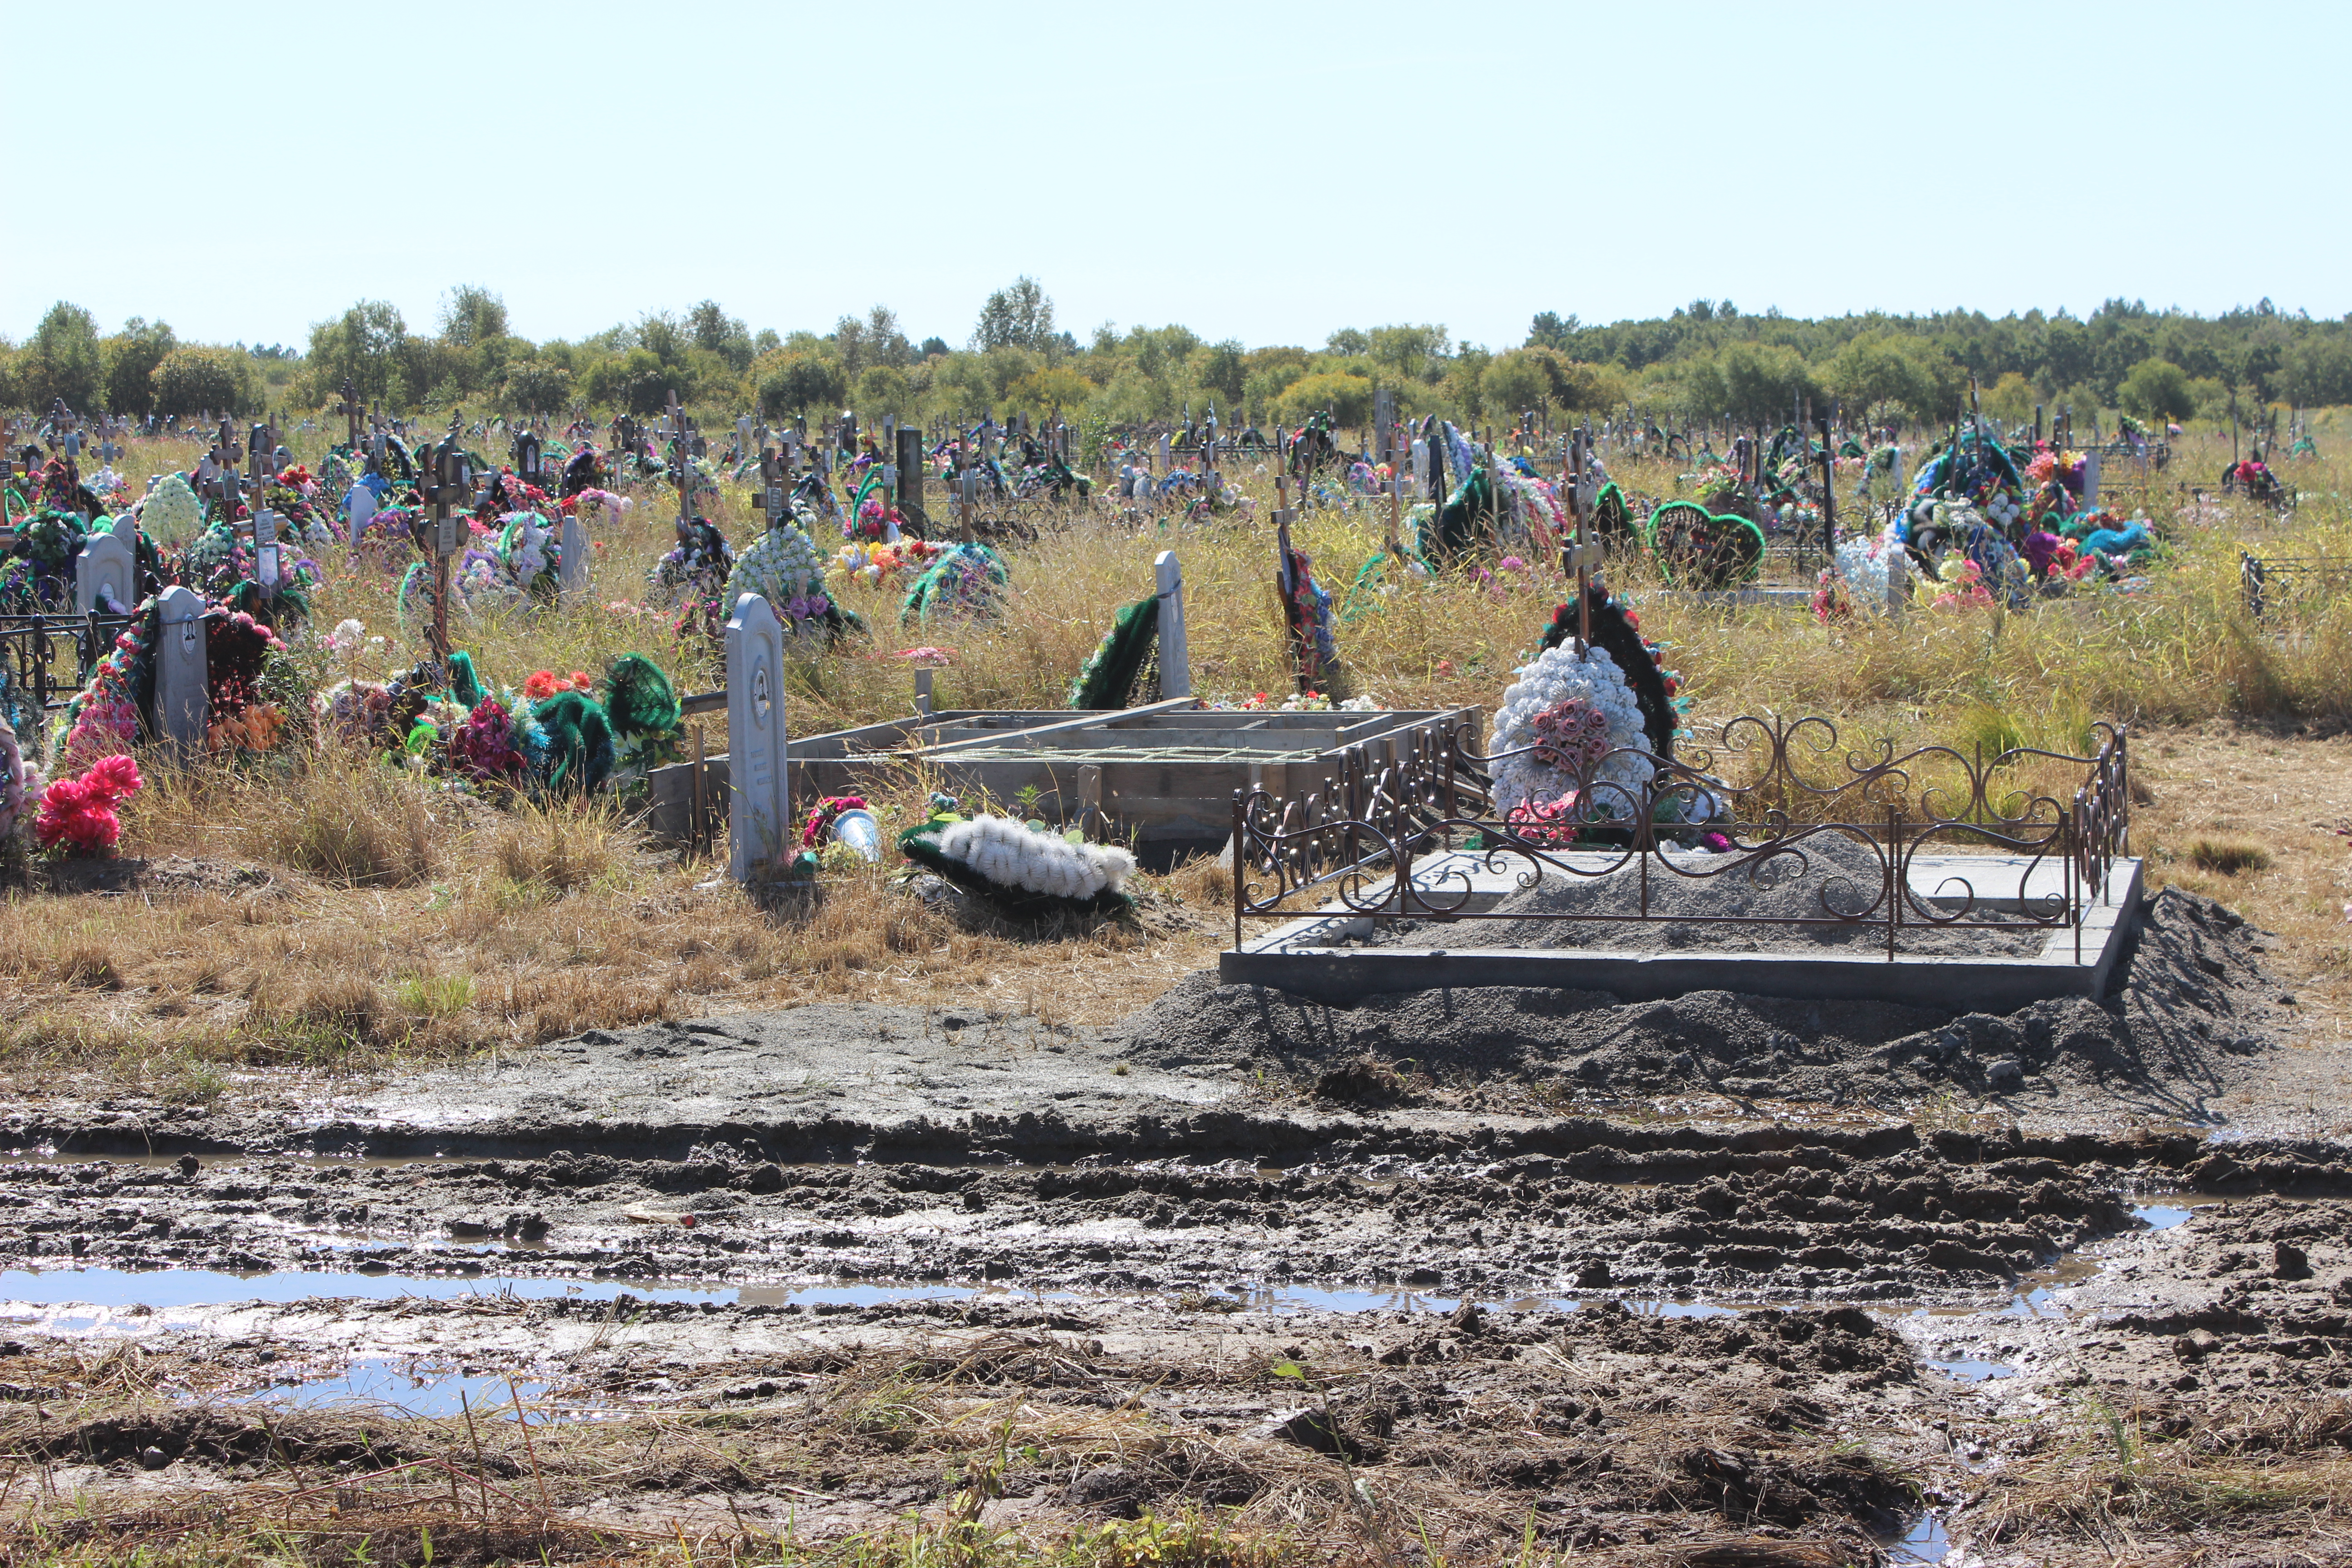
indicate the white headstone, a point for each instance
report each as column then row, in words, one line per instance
column 106, row 574
column 760, row 796
column 126, row 528
column 571, row 566
column 182, row 710
column 362, row 501
column 1175, row 652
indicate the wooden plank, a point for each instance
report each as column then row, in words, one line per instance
column 1084, row 721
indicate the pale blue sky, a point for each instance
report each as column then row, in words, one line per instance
column 1265, row 171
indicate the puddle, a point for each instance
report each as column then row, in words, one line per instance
column 1925, row 1543
column 136, row 1292
column 406, row 1389
column 1962, row 1369
column 2161, row 1216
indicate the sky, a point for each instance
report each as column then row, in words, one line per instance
column 1270, row 172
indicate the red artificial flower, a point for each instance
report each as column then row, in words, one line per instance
column 79, row 813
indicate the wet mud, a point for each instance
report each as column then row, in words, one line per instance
column 1718, row 1280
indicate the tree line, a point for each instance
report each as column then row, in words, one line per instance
column 1705, row 362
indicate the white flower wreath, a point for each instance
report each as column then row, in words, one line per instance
column 1016, row 856
column 1563, row 686
column 784, row 568
column 171, row 511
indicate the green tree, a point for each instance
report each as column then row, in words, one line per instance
column 1222, row 371
column 635, row 381
column 130, row 357
column 713, row 331
column 1550, row 330
column 1347, row 397
column 195, row 380
column 793, row 382
column 1019, row 316
column 1041, row 392
column 1515, row 380
column 61, row 360
column 884, row 389
column 364, row 345
column 538, row 387
column 472, row 315
column 2157, row 389
column 1416, row 352
column 1883, row 369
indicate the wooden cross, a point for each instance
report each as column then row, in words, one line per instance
column 774, row 477
column 350, row 409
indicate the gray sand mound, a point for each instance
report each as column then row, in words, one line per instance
column 2186, row 1018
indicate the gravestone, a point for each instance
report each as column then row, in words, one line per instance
column 2090, row 480
column 911, row 473
column 182, row 708
column 1175, row 652
column 759, row 793
column 106, row 574
column 571, row 566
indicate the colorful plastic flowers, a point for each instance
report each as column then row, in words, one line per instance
column 545, row 683
column 78, row 816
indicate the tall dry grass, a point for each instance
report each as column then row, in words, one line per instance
column 384, row 891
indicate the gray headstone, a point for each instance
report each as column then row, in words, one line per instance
column 105, row 571
column 1175, row 652
column 2090, row 480
column 571, row 566
column 182, row 708
column 758, row 817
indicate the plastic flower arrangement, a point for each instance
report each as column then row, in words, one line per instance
column 529, row 552
column 103, row 717
column 1542, row 717
column 927, row 656
column 78, row 815
column 1858, row 577
column 541, row 684
column 483, row 745
column 172, row 511
column 876, row 524
column 821, row 816
column 784, row 568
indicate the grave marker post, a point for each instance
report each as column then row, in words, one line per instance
column 181, row 704
column 759, row 787
column 449, row 483
column 1175, row 651
column 105, row 576
column 911, row 473
column 571, row 566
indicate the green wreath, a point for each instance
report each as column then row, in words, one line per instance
column 1696, row 547
column 1107, row 679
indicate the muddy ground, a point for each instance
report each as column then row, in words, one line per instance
column 1499, row 1276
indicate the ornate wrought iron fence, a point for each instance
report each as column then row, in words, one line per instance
column 44, row 660
column 1359, row 833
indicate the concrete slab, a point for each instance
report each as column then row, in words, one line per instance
column 1306, row 957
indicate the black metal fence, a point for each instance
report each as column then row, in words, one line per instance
column 1361, row 834
column 44, row 660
